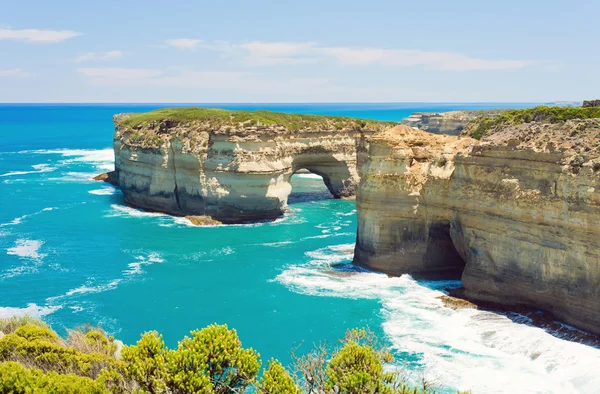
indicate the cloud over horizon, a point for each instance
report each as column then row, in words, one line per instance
column 37, row 35
column 98, row 56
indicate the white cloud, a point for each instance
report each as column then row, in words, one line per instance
column 36, row 35
column 98, row 56
column 432, row 60
column 117, row 73
column 16, row 73
column 184, row 43
column 279, row 53
column 233, row 81
column 278, row 49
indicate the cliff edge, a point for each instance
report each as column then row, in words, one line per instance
column 516, row 214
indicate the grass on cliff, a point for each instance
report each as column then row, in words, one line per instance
column 220, row 117
column 485, row 125
column 34, row 359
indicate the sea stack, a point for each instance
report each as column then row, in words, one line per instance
column 233, row 166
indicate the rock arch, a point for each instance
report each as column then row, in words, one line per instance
column 235, row 174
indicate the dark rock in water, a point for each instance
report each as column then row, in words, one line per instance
column 109, row 177
column 591, row 103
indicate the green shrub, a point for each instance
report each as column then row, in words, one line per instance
column 276, row 380
column 213, row 358
column 17, row 379
column 34, row 359
column 146, row 362
column 484, row 125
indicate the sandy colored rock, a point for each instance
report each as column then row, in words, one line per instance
column 203, row 220
column 109, row 177
column 519, row 210
column 456, row 303
column 235, row 171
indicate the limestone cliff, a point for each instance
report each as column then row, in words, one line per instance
column 451, row 123
column 519, row 210
column 234, row 166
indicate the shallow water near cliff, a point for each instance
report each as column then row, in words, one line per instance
column 72, row 252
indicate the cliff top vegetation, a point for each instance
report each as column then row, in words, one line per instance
column 485, row 125
column 223, row 117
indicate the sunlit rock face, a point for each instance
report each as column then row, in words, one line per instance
column 235, row 172
column 519, row 210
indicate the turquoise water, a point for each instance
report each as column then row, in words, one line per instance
column 73, row 253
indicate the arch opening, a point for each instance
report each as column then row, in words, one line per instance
column 308, row 186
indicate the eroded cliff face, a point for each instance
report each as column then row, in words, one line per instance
column 520, row 210
column 451, row 123
column 234, row 171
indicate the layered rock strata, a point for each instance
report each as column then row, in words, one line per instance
column 233, row 166
column 451, row 123
column 518, row 213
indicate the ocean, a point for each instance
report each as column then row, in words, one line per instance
column 73, row 253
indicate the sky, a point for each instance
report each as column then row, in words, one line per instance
column 299, row 51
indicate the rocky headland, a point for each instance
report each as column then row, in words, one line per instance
column 516, row 214
column 451, row 123
column 233, row 166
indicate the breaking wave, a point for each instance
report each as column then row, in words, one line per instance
column 466, row 349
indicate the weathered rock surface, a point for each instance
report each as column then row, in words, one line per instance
column 232, row 167
column 519, row 210
column 451, row 123
column 108, row 177
column 591, row 103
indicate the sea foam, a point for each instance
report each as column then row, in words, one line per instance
column 464, row 349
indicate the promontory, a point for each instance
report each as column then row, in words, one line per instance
column 233, row 166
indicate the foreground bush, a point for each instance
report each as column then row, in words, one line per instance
column 34, row 359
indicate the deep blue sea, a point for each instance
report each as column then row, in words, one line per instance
column 73, row 253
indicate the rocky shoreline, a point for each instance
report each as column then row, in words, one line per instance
column 515, row 215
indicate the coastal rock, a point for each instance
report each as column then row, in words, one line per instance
column 519, row 210
column 109, row 177
column 591, row 103
column 456, row 303
column 451, row 123
column 202, row 221
column 234, row 166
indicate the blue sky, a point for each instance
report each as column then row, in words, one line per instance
column 301, row 51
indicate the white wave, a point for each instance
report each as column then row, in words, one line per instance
column 74, row 176
column 136, row 266
column 277, row 244
column 27, row 248
column 308, row 176
column 88, row 288
column 353, row 212
column 32, row 310
column 325, row 236
column 81, row 155
column 127, row 211
column 19, row 219
column 105, row 191
column 38, row 168
column 466, row 349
